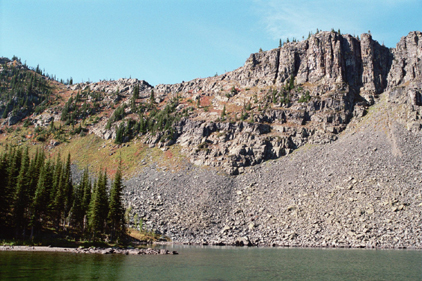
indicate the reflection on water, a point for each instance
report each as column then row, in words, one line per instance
column 218, row 263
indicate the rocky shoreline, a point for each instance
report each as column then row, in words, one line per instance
column 91, row 250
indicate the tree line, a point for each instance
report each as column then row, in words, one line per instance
column 151, row 118
column 22, row 90
column 37, row 193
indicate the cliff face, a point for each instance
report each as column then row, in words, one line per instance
column 363, row 190
column 350, row 110
column 303, row 92
column 407, row 62
column 343, row 75
column 326, row 58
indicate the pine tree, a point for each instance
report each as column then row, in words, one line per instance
column 68, row 187
column 119, row 134
column 40, row 210
column 21, row 199
column 4, row 167
column 151, row 100
column 56, row 206
column 223, row 113
column 116, row 210
column 291, row 82
column 13, row 172
column 58, row 169
column 86, row 184
column 136, row 92
column 99, row 206
column 34, row 171
column 76, row 214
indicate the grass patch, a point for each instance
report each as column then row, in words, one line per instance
column 145, row 236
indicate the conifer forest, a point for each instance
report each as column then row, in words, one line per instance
column 37, row 194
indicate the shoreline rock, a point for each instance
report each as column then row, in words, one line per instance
column 93, row 250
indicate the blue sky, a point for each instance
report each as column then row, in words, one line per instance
column 172, row 41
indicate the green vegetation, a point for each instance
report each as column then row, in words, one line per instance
column 37, row 195
column 305, row 98
column 223, row 112
column 22, row 91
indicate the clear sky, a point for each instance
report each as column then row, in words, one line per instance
column 172, row 41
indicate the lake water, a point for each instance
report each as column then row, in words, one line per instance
column 218, row 263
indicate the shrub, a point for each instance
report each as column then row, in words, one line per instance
column 305, row 98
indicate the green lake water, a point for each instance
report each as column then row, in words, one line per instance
column 217, row 263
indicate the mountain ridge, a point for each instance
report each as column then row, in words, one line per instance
column 339, row 118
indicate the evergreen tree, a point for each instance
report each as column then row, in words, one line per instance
column 99, row 206
column 152, row 97
column 76, row 215
column 291, row 82
column 34, row 171
column 86, row 185
column 68, row 187
column 57, row 175
column 13, row 172
column 116, row 210
column 4, row 167
column 136, row 92
column 119, row 134
column 21, row 199
column 40, row 211
column 152, row 100
column 56, row 206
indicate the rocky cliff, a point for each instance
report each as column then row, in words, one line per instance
column 356, row 182
column 303, row 92
column 314, row 143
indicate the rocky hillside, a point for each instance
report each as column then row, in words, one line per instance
column 303, row 92
column 314, row 143
column 362, row 190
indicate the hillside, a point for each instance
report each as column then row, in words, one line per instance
column 314, row 143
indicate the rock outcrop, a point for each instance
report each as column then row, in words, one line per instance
column 339, row 117
column 362, row 190
column 340, row 76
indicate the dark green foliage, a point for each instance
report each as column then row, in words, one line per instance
column 37, row 194
column 243, row 115
column 118, row 114
column 157, row 121
column 119, row 134
column 67, row 187
column 98, row 207
column 78, row 108
column 116, row 211
column 42, row 199
column 151, row 105
column 4, row 190
column 291, row 82
column 77, row 211
column 274, row 96
column 136, row 92
column 21, row 196
column 22, row 90
column 305, row 98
